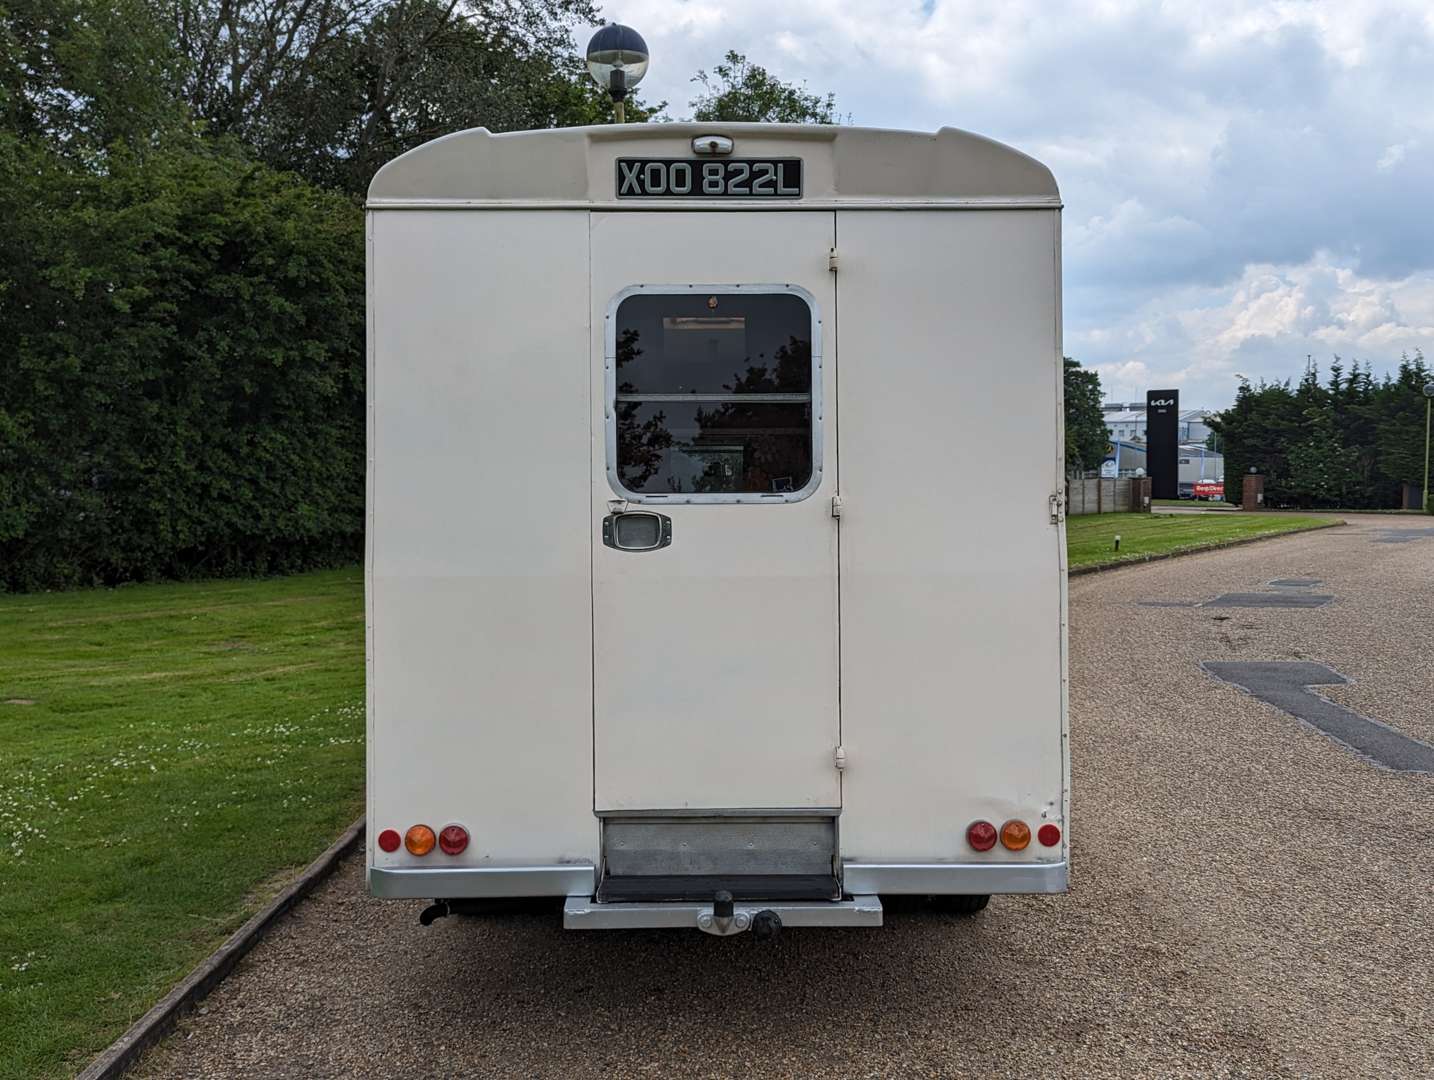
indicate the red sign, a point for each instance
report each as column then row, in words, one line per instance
column 1209, row 490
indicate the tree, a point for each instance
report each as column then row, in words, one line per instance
column 1323, row 471
column 182, row 387
column 739, row 91
column 1351, row 442
column 332, row 89
column 81, row 75
column 1086, row 434
column 1399, row 426
column 1257, row 431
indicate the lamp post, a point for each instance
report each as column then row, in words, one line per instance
column 1428, row 403
column 617, row 60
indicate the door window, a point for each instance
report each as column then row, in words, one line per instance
column 713, row 394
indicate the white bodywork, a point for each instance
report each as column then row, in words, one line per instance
column 884, row 647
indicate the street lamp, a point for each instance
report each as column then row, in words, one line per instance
column 1428, row 402
column 617, row 60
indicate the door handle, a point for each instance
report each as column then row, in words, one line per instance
column 636, row 530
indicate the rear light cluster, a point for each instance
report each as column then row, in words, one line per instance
column 420, row 840
column 1014, row 835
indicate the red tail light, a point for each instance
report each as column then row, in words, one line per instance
column 981, row 835
column 453, row 839
column 388, row 840
column 1049, row 835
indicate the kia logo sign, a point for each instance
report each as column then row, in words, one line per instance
column 1163, row 401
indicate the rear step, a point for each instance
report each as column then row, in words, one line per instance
column 664, row 888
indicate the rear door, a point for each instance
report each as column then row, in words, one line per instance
column 952, row 620
column 714, row 545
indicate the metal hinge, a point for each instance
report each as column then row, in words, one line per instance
column 832, row 260
column 1058, row 508
column 839, row 758
column 836, row 506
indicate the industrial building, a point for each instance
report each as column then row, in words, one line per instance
column 1127, row 421
column 1197, row 467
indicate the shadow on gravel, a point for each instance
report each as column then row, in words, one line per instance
column 518, row 995
column 529, row 960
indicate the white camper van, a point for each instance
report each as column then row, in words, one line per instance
column 716, row 562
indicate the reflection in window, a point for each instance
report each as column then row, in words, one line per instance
column 714, row 393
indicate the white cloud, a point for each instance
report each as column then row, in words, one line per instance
column 1392, row 156
column 1262, row 325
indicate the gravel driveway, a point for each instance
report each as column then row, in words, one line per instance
column 1248, row 898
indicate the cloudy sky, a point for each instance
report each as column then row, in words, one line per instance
column 1244, row 183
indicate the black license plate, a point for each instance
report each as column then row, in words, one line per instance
column 685, row 178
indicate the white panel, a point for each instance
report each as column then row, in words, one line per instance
column 480, row 637
column 950, row 565
column 716, row 657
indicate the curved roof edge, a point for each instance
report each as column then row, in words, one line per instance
column 843, row 164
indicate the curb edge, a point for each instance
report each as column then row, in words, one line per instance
column 155, row 1024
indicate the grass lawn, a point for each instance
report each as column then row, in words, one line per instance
column 1090, row 538
column 1196, row 504
column 168, row 755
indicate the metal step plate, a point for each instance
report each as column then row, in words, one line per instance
column 721, row 846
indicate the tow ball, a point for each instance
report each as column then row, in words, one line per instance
column 724, row 920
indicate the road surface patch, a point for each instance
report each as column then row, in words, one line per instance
column 1269, row 600
column 1283, row 598
column 1285, row 685
column 1297, row 582
column 1402, row 536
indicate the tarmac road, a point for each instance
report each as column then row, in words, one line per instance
column 1249, row 898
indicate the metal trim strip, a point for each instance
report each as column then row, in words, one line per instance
column 754, row 813
column 732, row 205
column 473, row 882
column 580, row 913
column 947, row 879
column 713, row 399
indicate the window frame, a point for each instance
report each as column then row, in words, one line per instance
column 609, row 364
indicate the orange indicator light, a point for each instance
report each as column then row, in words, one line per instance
column 420, row 840
column 1016, row 835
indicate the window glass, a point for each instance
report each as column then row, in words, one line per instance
column 713, row 393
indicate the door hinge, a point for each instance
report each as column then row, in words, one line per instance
column 832, row 260
column 1058, row 508
column 839, row 758
column 836, row 506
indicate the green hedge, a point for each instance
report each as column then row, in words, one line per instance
column 181, row 369
column 1348, row 443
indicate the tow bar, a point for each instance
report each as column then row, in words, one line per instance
column 723, row 917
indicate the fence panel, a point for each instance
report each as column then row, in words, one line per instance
column 1100, row 495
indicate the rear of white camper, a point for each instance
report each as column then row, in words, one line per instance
column 716, row 565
